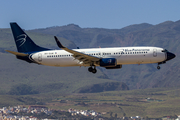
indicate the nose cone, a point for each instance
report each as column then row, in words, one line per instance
column 170, row 56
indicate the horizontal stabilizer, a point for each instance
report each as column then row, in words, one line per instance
column 17, row 53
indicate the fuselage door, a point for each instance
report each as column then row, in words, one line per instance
column 154, row 52
column 39, row 57
column 103, row 54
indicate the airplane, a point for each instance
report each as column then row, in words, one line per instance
column 109, row 58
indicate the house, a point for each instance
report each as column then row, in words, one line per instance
column 33, row 107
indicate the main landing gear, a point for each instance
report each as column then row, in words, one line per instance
column 92, row 69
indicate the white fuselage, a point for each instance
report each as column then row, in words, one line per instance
column 123, row 55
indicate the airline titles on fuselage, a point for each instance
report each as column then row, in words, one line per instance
column 134, row 50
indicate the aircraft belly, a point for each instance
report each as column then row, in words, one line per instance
column 61, row 62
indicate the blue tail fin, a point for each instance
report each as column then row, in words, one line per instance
column 23, row 41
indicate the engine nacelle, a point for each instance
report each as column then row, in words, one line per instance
column 108, row 62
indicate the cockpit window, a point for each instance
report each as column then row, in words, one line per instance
column 164, row 50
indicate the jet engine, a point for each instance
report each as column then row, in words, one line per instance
column 108, row 62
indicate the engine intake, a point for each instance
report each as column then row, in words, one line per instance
column 108, row 62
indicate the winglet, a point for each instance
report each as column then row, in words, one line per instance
column 58, row 43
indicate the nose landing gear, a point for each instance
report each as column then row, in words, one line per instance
column 93, row 70
column 158, row 67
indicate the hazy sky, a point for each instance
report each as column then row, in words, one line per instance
column 32, row 14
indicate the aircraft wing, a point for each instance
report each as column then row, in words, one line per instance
column 86, row 59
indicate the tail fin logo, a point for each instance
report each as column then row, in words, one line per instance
column 21, row 39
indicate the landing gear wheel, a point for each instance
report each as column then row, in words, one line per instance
column 94, row 71
column 90, row 69
column 158, row 67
